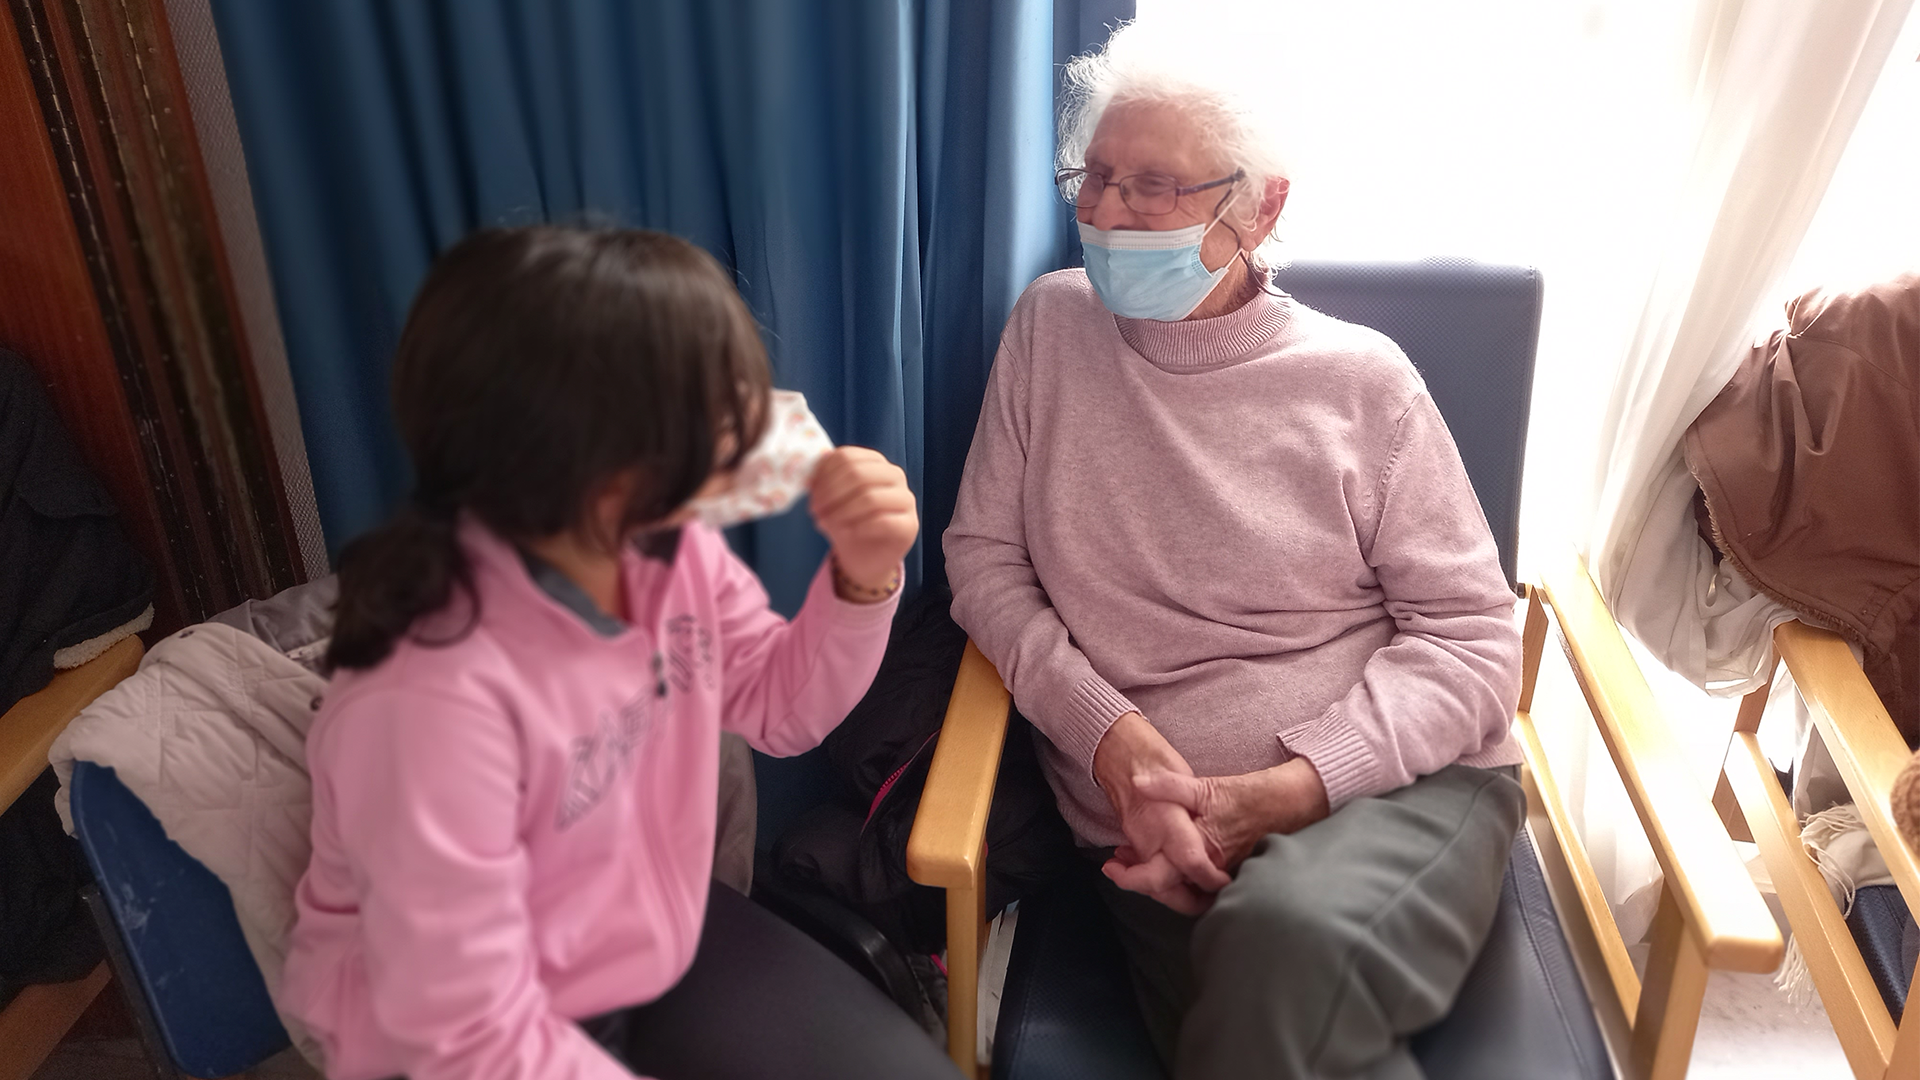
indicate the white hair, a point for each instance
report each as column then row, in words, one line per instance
column 1198, row 76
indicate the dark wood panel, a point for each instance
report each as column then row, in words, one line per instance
column 114, row 107
column 175, row 257
column 49, row 313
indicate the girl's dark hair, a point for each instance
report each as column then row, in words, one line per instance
column 537, row 365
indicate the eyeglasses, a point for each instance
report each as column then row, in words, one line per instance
column 1151, row 194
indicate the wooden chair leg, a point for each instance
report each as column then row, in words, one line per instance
column 966, row 938
column 1906, row 1042
column 1752, row 707
column 35, row 1022
column 1847, row 989
column 1533, row 643
column 1728, row 807
column 1670, row 998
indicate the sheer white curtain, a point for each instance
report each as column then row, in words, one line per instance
column 1779, row 87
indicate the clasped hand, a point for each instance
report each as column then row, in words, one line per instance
column 1186, row 834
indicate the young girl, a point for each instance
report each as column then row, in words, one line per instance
column 514, row 770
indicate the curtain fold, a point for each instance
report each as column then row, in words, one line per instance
column 1779, row 87
column 876, row 174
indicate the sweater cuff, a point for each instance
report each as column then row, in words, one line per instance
column 1348, row 767
column 1090, row 710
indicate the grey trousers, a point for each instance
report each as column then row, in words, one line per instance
column 1332, row 945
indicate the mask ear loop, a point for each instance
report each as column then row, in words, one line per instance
column 1219, row 216
column 1262, row 277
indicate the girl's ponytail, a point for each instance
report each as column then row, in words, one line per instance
column 391, row 576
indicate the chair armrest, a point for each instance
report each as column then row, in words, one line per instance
column 950, row 829
column 947, row 847
column 1718, row 901
column 28, row 729
column 1859, row 734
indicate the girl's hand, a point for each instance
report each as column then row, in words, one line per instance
column 862, row 505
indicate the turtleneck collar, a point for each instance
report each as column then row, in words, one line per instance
column 1208, row 343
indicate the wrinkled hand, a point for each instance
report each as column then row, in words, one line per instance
column 1232, row 813
column 1223, row 809
column 1165, row 856
column 862, row 505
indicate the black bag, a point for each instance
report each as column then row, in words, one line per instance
column 67, row 577
column 855, row 849
column 46, row 932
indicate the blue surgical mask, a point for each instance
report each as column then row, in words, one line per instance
column 1144, row 274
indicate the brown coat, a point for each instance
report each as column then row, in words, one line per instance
column 1810, row 462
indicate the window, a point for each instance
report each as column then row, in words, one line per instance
column 1549, row 134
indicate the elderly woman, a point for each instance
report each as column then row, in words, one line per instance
column 1223, row 550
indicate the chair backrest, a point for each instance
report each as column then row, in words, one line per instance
column 1472, row 329
column 184, row 951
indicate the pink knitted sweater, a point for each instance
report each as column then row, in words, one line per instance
column 1254, row 529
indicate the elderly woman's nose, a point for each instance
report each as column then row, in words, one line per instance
column 1112, row 212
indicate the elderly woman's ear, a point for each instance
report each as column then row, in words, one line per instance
column 1272, row 201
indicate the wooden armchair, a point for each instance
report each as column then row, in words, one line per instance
column 1870, row 753
column 947, row 848
column 38, row 1019
column 1471, row 330
column 1710, row 915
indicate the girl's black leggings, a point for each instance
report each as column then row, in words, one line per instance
column 764, row 1000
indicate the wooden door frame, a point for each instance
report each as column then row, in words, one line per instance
column 116, row 111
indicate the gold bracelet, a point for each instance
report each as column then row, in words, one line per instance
column 848, row 589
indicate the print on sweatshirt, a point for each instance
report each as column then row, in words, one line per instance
column 600, row 760
column 604, row 758
column 689, row 652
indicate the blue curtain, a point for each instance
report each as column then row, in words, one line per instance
column 877, row 174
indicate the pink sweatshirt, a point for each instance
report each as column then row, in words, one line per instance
column 1255, row 529
column 515, row 830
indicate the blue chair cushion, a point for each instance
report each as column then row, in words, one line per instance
column 1522, row 1011
column 1068, row 1011
column 1889, row 942
column 189, row 960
